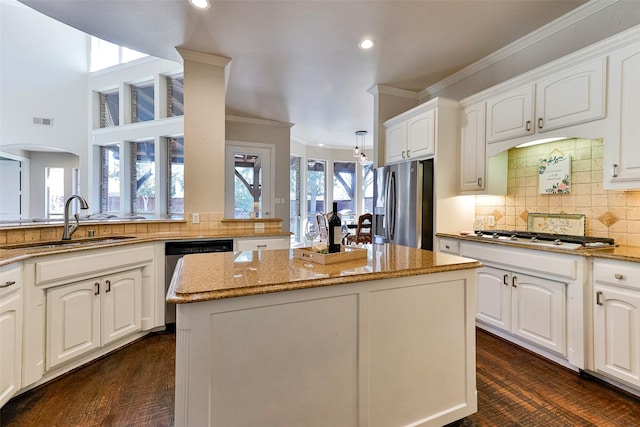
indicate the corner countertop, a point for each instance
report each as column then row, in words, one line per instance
column 618, row 252
column 8, row 256
column 204, row 277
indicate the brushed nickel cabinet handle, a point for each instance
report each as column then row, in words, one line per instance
column 618, row 276
column 599, row 297
column 97, row 285
column 108, row 282
column 514, row 281
column 540, row 123
column 7, row 284
column 614, row 170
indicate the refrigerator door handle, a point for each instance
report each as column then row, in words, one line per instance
column 392, row 206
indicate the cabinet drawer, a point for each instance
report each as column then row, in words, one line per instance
column 10, row 279
column 617, row 273
column 261, row 244
column 449, row 246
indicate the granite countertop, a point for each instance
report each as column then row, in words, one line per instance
column 203, row 277
column 7, row 256
column 620, row 253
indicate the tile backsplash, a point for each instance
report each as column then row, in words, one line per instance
column 614, row 214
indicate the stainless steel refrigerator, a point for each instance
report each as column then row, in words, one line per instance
column 403, row 204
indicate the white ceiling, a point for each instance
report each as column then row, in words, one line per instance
column 299, row 61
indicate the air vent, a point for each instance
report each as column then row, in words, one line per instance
column 44, row 121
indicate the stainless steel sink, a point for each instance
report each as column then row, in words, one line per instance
column 60, row 243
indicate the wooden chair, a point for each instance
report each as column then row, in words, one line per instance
column 364, row 232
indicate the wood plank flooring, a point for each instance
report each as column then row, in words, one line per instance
column 134, row 387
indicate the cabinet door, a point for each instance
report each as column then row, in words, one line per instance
column 472, row 148
column 622, row 150
column 73, row 321
column 494, row 297
column 421, row 135
column 396, row 142
column 539, row 311
column 574, row 96
column 616, row 327
column 121, row 305
column 10, row 344
column 510, row 115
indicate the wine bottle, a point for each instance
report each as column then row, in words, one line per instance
column 335, row 230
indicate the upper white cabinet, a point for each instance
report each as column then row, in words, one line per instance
column 622, row 147
column 411, row 135
column 10, row 331
column 566, row 97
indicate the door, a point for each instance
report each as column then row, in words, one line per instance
column 121, row 305
column 538, row 311
column 493, row 298
column 406, row 203
column 510, row 115
column 249, row 181
column 616, row 327
column 73, row 320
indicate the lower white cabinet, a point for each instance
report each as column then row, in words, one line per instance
column 265, row 243
column 616, row 320
column 88, row 314
column 526, row 306
column 10, row 331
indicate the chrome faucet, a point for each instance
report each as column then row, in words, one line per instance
column 68, row 230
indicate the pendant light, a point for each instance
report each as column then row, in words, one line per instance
column 360, row 135
column 359, row 141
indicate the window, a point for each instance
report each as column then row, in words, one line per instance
column 105, row 54
column 294, row 197
column 248, row 171
column 176, row 175
column 144, row 182
column 110, row 178
column 367, row 188
column 54, row 185
column 344, row 187
column 175, row 96
column 142, row 108
column 316, row 177
column 109, row 105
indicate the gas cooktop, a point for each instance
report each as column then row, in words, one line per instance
column 562, row 240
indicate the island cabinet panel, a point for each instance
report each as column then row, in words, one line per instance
column 397, row 351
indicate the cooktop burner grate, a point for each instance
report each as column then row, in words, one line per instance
column 527, row 236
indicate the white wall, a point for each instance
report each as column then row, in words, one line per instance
column 43, row 72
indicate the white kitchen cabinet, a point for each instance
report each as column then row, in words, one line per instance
column 10, row 331
column 264, row 243
column 616, row 320
column 450, row 246
column 622, row 148
column 411, row 135
column 526, row 306
column 566, row 97
column 85, row 315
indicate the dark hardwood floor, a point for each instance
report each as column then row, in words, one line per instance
column 134, row 387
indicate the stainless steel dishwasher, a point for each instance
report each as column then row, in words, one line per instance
column 175, row 250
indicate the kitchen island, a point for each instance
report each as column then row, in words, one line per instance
column 266, row 339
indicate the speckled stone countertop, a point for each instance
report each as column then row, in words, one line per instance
column 621, row 253
column 204, row 277
column 7, row 256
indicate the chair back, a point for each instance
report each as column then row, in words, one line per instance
column 363, row 232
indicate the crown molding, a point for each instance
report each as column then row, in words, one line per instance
column 203, row 57
column 253, row 121
column 536, row 36
column 388, row 90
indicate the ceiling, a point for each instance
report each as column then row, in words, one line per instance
column 299, row 61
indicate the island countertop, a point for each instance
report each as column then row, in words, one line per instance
column 204, row 277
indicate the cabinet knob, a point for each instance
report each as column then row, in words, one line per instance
column 618, row 276
column 614, row 170
column 7, row 284
column 447, row 246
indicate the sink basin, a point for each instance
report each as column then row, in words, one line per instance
column 61, row 243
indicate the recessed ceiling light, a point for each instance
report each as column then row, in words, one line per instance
column 366, row 44
column 200, row 4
